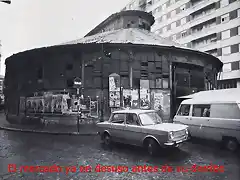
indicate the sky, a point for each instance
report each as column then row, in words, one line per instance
column 29, row 24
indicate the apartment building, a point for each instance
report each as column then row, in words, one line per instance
column 212, row 26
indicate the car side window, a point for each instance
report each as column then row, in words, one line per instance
column 118, row 118
column 132, row 119
column 201, row 110
column 184, row 110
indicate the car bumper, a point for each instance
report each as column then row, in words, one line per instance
column 175, row 143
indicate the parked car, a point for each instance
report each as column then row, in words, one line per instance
column 212, row 119
column 142, row 128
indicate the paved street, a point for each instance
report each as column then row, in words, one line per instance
column 46, row 150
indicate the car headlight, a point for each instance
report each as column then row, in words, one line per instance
column 170, row 135
column 186, row 131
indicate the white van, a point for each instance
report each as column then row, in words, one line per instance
column 209, row 118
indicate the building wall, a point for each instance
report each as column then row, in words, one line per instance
column 211, row 26
column 47, row 71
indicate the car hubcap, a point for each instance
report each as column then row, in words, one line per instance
column 150, row 149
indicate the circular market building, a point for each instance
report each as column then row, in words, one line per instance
column 120, row 63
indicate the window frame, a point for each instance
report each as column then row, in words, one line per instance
column 207, row 105
column 229, row 34
column 189, row 113
column 111, row 119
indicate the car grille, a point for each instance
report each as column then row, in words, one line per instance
column 179, row 134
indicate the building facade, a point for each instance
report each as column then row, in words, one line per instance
column 121, row 64
column 211, row 26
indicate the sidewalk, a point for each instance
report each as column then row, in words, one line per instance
column 85, row 128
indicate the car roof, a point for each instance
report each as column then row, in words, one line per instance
column 136, row 111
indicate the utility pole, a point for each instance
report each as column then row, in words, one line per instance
column 78, row 85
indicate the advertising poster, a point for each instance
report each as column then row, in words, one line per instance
column 114, row 99
column 114, row 91
column 144, row 98
column 135, row 98
column 127, row 98
column 47, row 103
column 56, row 103
column 161, row 102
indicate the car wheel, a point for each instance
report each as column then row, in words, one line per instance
column 231, row 144
column 106, row 139
column 152, row 147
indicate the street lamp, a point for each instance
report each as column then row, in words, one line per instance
column 6, row 1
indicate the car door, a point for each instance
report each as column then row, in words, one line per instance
column 117, row 124
column 132, row 130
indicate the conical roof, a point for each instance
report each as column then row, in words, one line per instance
column 124, row 36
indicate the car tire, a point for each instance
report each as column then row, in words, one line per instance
column 152, row 147
column 231, row 144
column 106, row 139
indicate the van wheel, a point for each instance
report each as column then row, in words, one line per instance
column 231, row 144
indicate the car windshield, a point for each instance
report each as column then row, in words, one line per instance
column 150, row 118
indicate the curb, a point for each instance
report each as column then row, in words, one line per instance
column 47, row 132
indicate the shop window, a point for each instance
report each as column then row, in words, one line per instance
column 184, row 110
column 201, row 110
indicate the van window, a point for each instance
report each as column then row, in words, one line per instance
column 225, row 110
column 184, row 110
column 201, row 110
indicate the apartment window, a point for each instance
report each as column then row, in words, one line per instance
column 226, row 50
column 173, row 25
column 224, row 3
column 225, row 18
column 164, row 17
column 174, row 37
column 227, row 67
column 183, row 21
column 238, row 13
column 164, row 29
column 238, row 30
column 173, row 13
column 164, row 6
column 172, row 1
column 235, row 65
column 184, row 34
column 182, row 8
column 226, row 34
